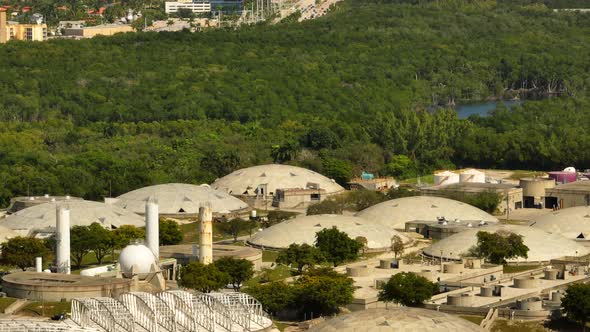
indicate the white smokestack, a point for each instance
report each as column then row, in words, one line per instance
column 206, row 248
column 152, row 231
column 63, row 240
column 38, row 264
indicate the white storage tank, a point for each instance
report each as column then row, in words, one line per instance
column 445, row 177
column 472, row 175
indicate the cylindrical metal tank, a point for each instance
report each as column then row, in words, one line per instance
column 535, row 187
column 556, row 296
column 525, row 282
column 445, row 177
column 472, row 175
column 563, row 177
column 551, row 274
column 486, row 291
column 453, row 268
column 463, row 300
column 531, row 304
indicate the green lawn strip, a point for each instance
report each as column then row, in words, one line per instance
column 5, row 302
column 46, row 309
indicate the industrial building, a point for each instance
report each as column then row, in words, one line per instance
column 543, row 246
column 194, row 6
column 10, row 30
column 568, row 195
column 397, row 212
column 97, row 30
column 511, row 195
column 281, row 186
column 396, row 319
column 441, row 228
column 41, row 219
column 572, row 223
column 303, row 229
column 367, row 181
column 179, row 200
column 534, row 192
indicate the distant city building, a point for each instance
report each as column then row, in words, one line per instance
column 10, row 30
column 194, row 6
column 93, row 31
column 226, row 5
column 71, row 24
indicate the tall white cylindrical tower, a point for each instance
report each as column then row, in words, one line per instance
column 63, row 239
column 152, row 231
column 38, row 264
column 206, row 225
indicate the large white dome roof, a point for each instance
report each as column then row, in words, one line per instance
column 83, row 213
column 396, row 212
column 542, row 245
column 303, row 229
column 572, row 223
column 245, row 181
column 136, row 254
column 179, row 199
column 396, row 319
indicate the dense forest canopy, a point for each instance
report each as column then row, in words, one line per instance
column 364, row 88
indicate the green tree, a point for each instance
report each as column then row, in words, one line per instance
column 499, row 246
column 397, row 245
column 204, row 278
column 277, row 216
column 407, row 288
column 21, row 251
column 275, row 296
column 126, row 234
column 102, row 241
column 301, row 255
column 401, row 167
column 234, row 227
column 363, row 242
column 337, row 169
column 169, row 232
column 323, row 291
column 361, row 199
column 576, row 303
column 239, row 270
column 337, row 246
column 327, row 206
column 80, row 244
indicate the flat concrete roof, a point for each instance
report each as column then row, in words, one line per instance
column 43, row 279
column 185, row 251
column 578, row 186
column 474, row 187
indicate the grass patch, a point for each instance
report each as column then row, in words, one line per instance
column 519, row 268
column 474, row 319
column 45, row 309
column 425, row 179
column 89, row 260
column 280, row 325
column 5, row 302
column 502, row 325
column 269, row 256
column 280, row 272
column 190, row 233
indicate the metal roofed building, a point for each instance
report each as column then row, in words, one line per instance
column 543, row 246
column 572, row 223
column 396, row 319
column 396, row 213
column 42, row 218
column 303, row 229
column 258, row 185
column 179, row 200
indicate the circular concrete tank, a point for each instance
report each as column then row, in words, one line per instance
column 455, row 268
column 358, row 271
column 556, row 296
column 486, row 291
column 385, row 263
column 430, row 275
column 525, row 282
column 531, row 304
column 463, row 300
column 550, row 274
column 535, row 187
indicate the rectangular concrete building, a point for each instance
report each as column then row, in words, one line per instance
column 568, row 195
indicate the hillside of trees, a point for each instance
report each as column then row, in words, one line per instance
column 368, row 87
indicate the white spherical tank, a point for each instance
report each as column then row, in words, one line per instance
column 445, row 177
column 472, row 175
column 570, row 169
column 136, row 254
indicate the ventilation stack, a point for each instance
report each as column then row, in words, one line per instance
column 152, row 231
column 38, row 264
column 63, row 239
column 206, row 230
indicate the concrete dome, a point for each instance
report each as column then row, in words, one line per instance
column 572, row 223
column 396, row 212
column 542, row 245
column 179, row 199
column 136, row 254
column 396, row 319
column 303, row 229
column 245, row 181
column 42, row 217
